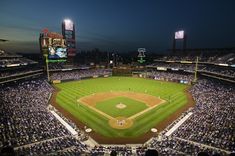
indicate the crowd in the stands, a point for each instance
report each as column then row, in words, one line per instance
column 25, row 119
column 213, row 117
column 175, row 146
column 12, row 62
column 78, row 74
column 167, row 76
column 19, row 72
column 179, row 66
column 219, row 64
column 56, row 146
column 217, row 58
column 120, row 150
column 212, row 122
column 58, row 66
column 219, row 70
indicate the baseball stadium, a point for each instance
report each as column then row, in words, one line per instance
column 81, row 92
column 125, row 110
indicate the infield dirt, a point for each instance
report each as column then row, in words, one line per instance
column 149, row 100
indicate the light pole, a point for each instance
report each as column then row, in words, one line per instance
column 196, row 68
column 47, row 68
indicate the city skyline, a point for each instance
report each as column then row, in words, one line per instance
column 119, row 25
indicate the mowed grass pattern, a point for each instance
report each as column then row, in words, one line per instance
column 71, row 91
column 132, row 106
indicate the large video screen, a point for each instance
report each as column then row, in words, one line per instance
column 57, row 53
column 179, row 34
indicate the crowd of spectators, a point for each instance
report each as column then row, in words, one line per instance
column 104, row 150
column 179, row 66
column 177, row 58
column 58, row 66
column 14, row 65
column 10, row 62
column 228, row 58
column 27, row 125
column 219, row 70
column 168, row 76
column 78, row 74
column 81, row 134
column 211, row 124
column 67, row 144
column 24, row 117
column 213, row 117
column 18, row 72
column 174, row 146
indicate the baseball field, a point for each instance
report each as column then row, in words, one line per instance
column 121, row 107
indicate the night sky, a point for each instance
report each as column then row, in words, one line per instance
column 119, row 25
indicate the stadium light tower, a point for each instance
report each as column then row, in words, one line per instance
column 68, row 31
column 179, row 35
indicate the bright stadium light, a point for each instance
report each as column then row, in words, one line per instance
column 179, row 34
column 68, row 24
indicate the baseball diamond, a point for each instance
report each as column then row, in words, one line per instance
column 118, row 107
column 94, row 99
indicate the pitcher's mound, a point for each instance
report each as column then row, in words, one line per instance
column 120, row 123
column 120, row 106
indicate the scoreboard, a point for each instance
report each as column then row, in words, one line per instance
column 53, row 44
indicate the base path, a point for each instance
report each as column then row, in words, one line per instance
column 97, row 110
column 146, row 110
column 91, row 100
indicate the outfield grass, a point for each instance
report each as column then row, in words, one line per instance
column 71, row 91
column 132, row 106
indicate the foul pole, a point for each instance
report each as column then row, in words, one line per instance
column 47, row 68
column 196, row 68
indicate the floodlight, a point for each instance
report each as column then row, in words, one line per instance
column 179, row 34
column 68, row 24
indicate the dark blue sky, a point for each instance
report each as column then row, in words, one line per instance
column 119, row 25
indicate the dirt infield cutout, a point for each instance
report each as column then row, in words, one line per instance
column 121, row 122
